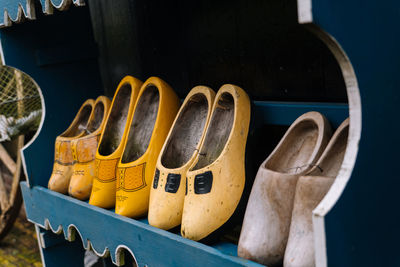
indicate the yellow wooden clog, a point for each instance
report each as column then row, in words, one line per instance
column 84, row 151
column 155, row 110
column 215, row 183
column 178, row 153
column 112, row 142
column 63, row 161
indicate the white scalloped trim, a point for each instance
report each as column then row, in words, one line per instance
column 23, row 13
column 119, row 253
column 105, row 253
column 29, row 11
column 64, row 5
column 86, row 243
column 72, row 229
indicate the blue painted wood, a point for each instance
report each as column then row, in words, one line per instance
column 12, row 7
column 56, row 3
column 59, row 252
column 362, row 229
column 18, row 9
column 107, row 230
column 60, row 4
column 66, row 82
column 49, row 239
column 71, row 51
column 284, row 113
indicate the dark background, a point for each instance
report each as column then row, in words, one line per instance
column 257, row 45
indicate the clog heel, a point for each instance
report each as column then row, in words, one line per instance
column 155, row 110
column 310, row 190
column 178, row 153
column 84, row 151
column 266, row 222
column 216, row 181
column 112, row 142
column 63, row 161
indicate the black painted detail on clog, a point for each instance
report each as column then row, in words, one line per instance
column 173, row 182
column 186, row 187
column 203, row 183
column 156, row 177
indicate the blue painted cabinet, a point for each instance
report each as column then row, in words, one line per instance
column 334, row 56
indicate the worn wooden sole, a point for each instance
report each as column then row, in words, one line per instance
column 266, row 223
column 310, row 190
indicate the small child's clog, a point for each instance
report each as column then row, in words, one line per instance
column 63, row 161
column 84, row 151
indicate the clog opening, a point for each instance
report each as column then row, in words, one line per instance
column 79, row 125
column 218, row 131
column 293, row 155
column 188, row 129
column 332, row 160
column 116, row 121
column 141, row 128
column 97, row 119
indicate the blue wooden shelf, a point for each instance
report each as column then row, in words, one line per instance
column 108, row 233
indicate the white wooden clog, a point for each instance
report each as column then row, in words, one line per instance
column 266, row 223
column 310, row 190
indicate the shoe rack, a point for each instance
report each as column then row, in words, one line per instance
column 336, row 57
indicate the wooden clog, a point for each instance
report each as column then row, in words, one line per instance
column 63, row 161
column 84, row 151
column 310, row 190
column 178, row 153
column 266, row 223
column 112, row 142
column 155, row 111
column 215, row 182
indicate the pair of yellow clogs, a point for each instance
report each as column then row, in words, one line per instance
column 200, row 172
column 140, row 118
column 75, row 149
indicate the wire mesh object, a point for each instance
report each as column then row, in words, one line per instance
column 20, row 103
